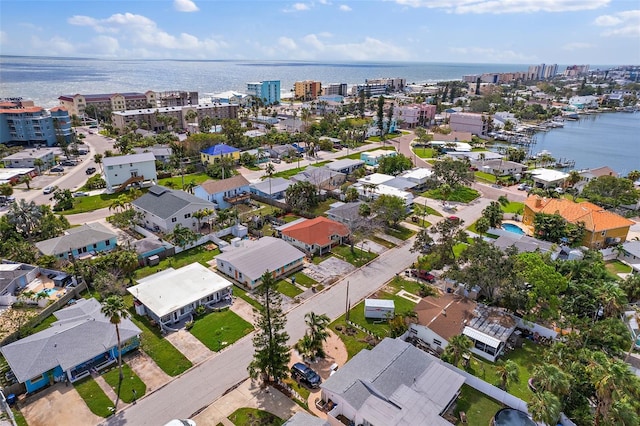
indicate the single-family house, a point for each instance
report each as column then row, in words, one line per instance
column 346, row 166
column 123, row 170
column 447, row 315
column 371, row 191
column 274, row 188
column 420, row 176
column 13, row 176
column 16, row 277
column 80, row 242
column 282, row 151
column 347, row 213
column 320, row 177
column 27, row 158
column 161, row 209
column 151, row 250
column 216, row 152
column 247, row 262
column 81, row 340
column 630, row 255
column 451, row 146
column 477, row 124
column 500, row 167
column 602, row 228
column 588, row 175
column 394, row 383
column 547, row 178
column 224, row 193
column 371, row 158
column 172, row 295
column 161, row 153
column 315, row 236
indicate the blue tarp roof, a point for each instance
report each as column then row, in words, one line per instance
column 219, row 149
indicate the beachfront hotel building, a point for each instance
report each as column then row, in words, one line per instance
column 335, row 89
column 416, row 114
column 307, row 90
column 106, row 103
column 153, row 120
column 476, row 124
column 267, row 90
column 25, row 123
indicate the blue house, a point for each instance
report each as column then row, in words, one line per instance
column 218, row 151
column 273, row 188
column 224, row 193
column 83, row 241
column 371, row 158
column 81, row 340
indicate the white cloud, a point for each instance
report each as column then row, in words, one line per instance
column 287, row 43
column 4, row 38
column 627, row 24
column 345, row 8
column 507, row 6
column 577, row 46
column 54, row 46
column 185, row 6
column 489, row 55
column 297, row 7
column 325, row 2
column 137, row 35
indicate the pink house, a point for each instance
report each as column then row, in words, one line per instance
column 416, row 114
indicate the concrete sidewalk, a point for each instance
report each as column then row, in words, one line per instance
column 248, row 394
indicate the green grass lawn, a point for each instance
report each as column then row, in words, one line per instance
column 354, row 340
column 290, row 218
column 462, row 194
column 400, row 232
column 304, row 280
column 478, row 407
column 288, row 289
column 459, row 248
column 176, row 181
column 17, row 414
column 218, row 330
column 317, row 259
column 242, row 294
column 322, row 207
column 382, row 242
column 197, row 254
column 44, row 324
column 90, row 203
column 356, row 155
column 386, row 137
column 164, row 354
column 292, row 172
column 420, row 209
column 254, row 417
column 302, row 391
column 400, row 283
column 130, row 382
column 379, row 327
column 485, row 177
column 617, row 267
column 95, row 398
column 513, row 207
column 424, row 152
column 357, row 258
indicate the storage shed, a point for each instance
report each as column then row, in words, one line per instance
column 379, row 308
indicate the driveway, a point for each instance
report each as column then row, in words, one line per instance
column 328, row 269
column 147, row 370
column 59, row 404
column 190, row 347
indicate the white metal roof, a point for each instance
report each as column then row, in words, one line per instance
column 172, row 289
column 375, row 178
column 379, row 303
column 480, row 336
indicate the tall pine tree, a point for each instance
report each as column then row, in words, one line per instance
column 271, row 355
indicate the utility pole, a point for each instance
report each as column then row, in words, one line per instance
column 346, row 304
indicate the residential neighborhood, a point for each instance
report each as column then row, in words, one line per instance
column 358, row 266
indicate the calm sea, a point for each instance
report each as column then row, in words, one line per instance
column 604, row 139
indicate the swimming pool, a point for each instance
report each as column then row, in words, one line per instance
column 511, row 417
column 50, row 291
column 513, row 228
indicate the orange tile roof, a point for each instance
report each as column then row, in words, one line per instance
column 446, row 315
column 595, row 218
column 316, row 231
column 20, row 110
column 58, row 108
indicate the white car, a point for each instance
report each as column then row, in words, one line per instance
column 49, row 189
column 181, row 422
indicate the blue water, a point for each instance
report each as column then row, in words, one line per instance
column 512, row 228
column 50, row 291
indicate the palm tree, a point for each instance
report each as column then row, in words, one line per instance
column 550, row 378
column 317, row 331
column 269, row 170
column 613, row 299
column 38, row 163
column 189, row 186
column 507, row 373
column 545, row 407
column 612, row 380
column 458, row 347
column 119, row 203
column 26, row 179
column 98, row 160
column 114, row 308
column 201, row 214
column 26, row 217
column 182, row 236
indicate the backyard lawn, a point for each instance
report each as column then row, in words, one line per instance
column 176, row 181
column 197, row 254
column 288, row 289
column 220, row 329
column 254, row 417
column 462, row 194
column 400, row 232
column 617, row 267
column 513, row 207
column 353, row 339
column 323, row 207
column 292, row 172
column 478, row 407
column 424, row 152
column 130, row 382
column 95, row 398
column 357, row 258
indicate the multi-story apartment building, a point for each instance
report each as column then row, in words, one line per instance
column 333, row 89
column 307, row 90
column 542, row 71
column 175, row 98
column 576, row 70
column 416, row 114
column 477, row 124
column 23, row 122
column 394, row 84
column 268, row 91
column 370, row 89
column 105, row 103
column 154, row 117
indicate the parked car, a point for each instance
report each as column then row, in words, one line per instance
column 49, row 189
column 305, row 375
column 426, row 275
column 80, row 194
column 57, row 169
column 276, row 160
column 454, row 218
column 90, row 170
column 69, row 163
column 181, row 422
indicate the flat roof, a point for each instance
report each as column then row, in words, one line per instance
column 376, row 178
column 171, row 289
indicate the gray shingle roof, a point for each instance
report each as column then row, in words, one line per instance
column 254, row 258
column 82, row 236
column 278, row 184
column 81, row 333
column 164, row 202
column 125, row 159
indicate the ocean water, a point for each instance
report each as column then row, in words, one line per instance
column 604, row 139
column 45, row 79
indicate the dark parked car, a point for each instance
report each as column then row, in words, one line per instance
column 305, row 375
column 423, row 275
column 90, row 170
column 57, row 169
column 69, row 163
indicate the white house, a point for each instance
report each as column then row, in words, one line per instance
column 162, row 209
column 126, row 169
column 546, row 178
column 173, row 294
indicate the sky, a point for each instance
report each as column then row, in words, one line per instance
column 603, row 32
